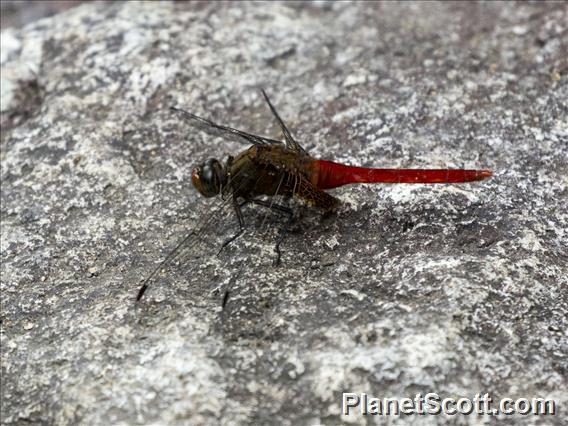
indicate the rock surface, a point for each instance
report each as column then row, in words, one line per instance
column 457, row 289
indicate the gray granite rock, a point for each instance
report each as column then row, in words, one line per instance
column 457, row 289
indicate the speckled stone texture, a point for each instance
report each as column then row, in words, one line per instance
column 454, row 289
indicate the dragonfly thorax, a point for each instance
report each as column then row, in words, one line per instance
column 209, row 177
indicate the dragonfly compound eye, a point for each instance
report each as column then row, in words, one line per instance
column 209, row 177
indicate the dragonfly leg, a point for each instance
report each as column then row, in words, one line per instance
column 284, row 231
column 241, row 220
column 276, row 207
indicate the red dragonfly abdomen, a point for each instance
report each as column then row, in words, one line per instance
column 329, row 174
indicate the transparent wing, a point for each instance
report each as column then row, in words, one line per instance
column 291, row 144
column 198, row 249
column 205, row 240
column 215, row 129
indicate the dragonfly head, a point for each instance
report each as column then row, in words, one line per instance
column 209, row 177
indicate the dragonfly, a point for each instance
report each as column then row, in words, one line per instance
column 271, row 168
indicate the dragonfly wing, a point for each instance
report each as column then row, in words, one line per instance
column 200, row 242
column 315, row 196
column 215, row 129
column 206, row 240
column 291, row 144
